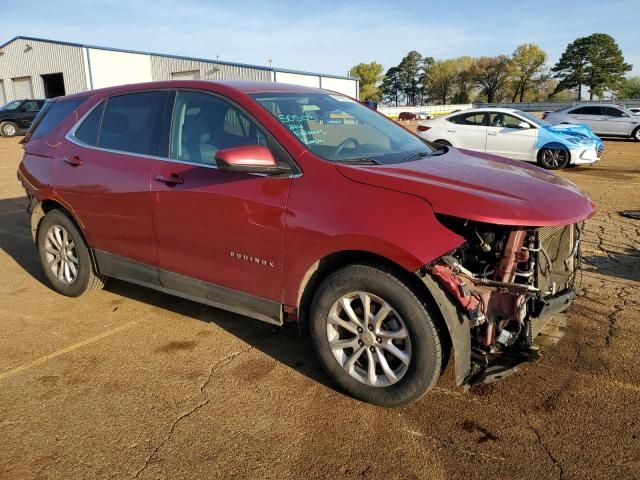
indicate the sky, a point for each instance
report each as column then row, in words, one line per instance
column 327, row 36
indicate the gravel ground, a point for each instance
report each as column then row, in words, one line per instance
column 132, row 383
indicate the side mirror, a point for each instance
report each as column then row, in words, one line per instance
column 251, row 159
column 524, row 125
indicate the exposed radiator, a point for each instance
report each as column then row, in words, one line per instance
column 557, row 260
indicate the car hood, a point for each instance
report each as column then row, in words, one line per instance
column 571, row 135
column 482, row 187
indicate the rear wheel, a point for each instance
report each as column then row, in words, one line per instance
column 374, row 337
column 8, row 129
column 65, row 257
column 443, row 142
column 636, row 134
column 553, row 158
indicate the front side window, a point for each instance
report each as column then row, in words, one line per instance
column 202, row 124
column 339, row 129
column 612, row 112
column 131, row 123
column 504, row 120
column 30, row 106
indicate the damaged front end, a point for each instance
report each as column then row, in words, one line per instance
column 509, row 281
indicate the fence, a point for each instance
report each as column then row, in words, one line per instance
column 553, row 106
column 431, row 109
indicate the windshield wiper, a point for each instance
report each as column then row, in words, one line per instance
column 416, row 156
column 360, row 161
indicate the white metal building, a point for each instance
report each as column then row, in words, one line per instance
column 39, row 68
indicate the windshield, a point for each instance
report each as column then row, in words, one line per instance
column 339, row 129
column 533, row 118
column 11, row 105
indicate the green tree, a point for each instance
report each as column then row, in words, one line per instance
column 491, row 75
column 441, row 80
column 370, row 74
column 464, row 79
column 411, row 69
column 595, row 61
column 391, row 87
column 527, row 67
column 630, row 88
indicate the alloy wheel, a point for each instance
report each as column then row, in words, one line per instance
column 554, row 158
column 8, row 130
column 61, row 254
column 369, row 339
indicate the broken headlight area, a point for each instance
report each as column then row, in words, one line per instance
column 509, row 281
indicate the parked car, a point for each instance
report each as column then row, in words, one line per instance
column 18, row 115
column 423, row 116
column 634, row 110
column 407, row 116
column 515, row 134
column 606, row 120
column 395, row 254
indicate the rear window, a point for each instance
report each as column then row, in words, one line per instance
column 131, row 123
column 52, row 115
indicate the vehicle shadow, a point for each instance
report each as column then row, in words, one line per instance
column 283, row 344
column 625, row 265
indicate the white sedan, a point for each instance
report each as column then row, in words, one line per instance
column 515, row 134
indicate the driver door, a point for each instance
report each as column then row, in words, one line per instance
column 218, row 233
column 507, row 136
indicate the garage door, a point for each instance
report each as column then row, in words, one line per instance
column 190, row 75
column 3, row 98
column 22, row 88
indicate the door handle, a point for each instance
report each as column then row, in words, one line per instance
column 492, row 133
column 74, row 161
column 451, row 131
column 170, row 181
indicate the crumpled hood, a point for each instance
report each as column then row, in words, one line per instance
column 570, row 134
column 482, row 187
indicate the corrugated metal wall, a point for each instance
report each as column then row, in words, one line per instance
column 31, row 58
column 162, row 68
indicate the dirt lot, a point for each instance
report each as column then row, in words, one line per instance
column 133, row 383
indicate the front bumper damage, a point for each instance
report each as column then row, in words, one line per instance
column 496, row 297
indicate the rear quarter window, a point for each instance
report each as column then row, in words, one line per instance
column 88, row 131
column 52, row 115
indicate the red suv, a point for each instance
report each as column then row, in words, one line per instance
column 287, row 203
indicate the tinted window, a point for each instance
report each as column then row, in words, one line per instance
column 203, row 124
column 476, row 119
column 88, row 131
column 131, row 123
column 52, row 115
column 611, row 112
column 30, row 106
column 588, row 111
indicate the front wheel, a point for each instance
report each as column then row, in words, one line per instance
column 8, row 129
column 553, row 158
column 374, row 337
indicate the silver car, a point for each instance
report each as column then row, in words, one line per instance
column 606, row 120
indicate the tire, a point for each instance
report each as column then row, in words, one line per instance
column 636, row 134
column 408, row 318
column 8, row 129
column 553, row 158
column 58, row 229
column 443, row 142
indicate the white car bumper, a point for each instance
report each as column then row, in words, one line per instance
column 584, row 156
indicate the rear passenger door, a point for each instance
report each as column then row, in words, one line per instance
column 468, row 131
column 103, row 175
column 218, row 232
